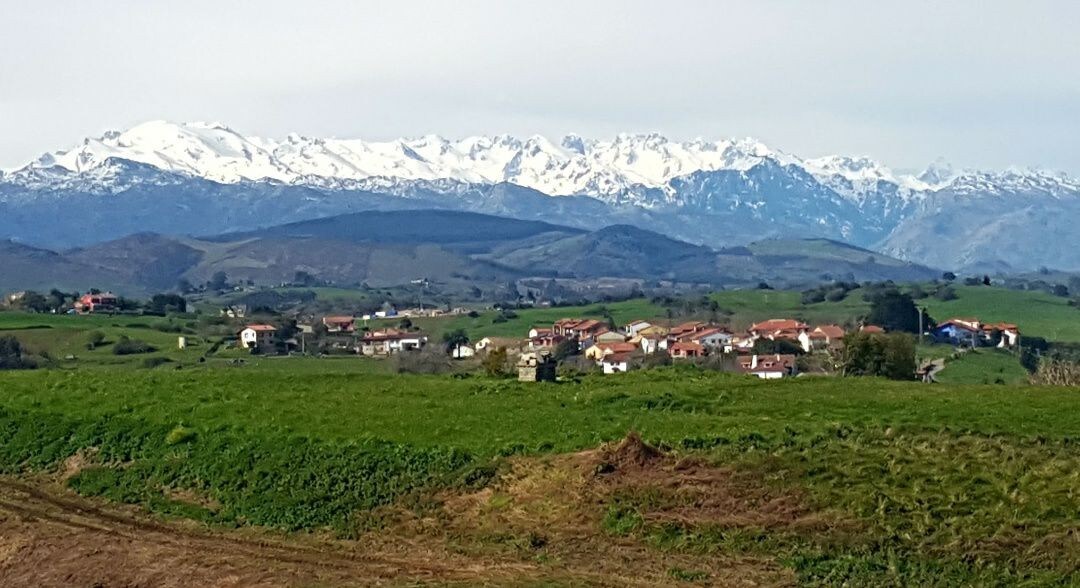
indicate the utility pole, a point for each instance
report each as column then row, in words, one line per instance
column 920, row 325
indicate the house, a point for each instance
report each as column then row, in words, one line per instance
column 634, row 327
column 782, row 329
column 261, row 337
column 510, row 344
column 91, row 303
column 462, row 352
column 769, row 367
column 686, row 328
column 339, row 324
column 536, row 367
column 713, row 338
column 654, row 332
column 536, row 332
column 872, row 329
column 580, row 329
column 826, row 336
column 649, row 345
column 599, row 350
column 974, row 333
column 234, row 311
column 616, row 363
column 545, row 340
column 686, row 350
column 1010, row 333
column 609, row 337
column 390, row 341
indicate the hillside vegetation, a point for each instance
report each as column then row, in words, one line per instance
column 877, row 483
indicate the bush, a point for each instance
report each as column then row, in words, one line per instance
column 495, row 362
column 94, row 340
column 946, row 293
column 127, row 346
column 153, row 362
column 429, row 360
column 871, row 354
column 11, row 355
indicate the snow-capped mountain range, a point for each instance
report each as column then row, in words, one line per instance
column 722, row 192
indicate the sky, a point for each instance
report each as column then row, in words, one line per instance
column 989, row 84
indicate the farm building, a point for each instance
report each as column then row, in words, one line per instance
column 259, row 336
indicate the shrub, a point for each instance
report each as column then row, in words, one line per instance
column 11, row 355
column 153, row 362
column 126, row 346
column 95, row 339
column 495, row 362
column 424, row 361
column 871, row 354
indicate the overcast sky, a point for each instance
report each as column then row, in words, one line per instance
column 987, row 83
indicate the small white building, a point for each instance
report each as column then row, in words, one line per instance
column 616, row 363
column 258, row 336
column 462, row 352
column 634, row 327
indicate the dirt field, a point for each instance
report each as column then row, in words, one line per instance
column 540, row 524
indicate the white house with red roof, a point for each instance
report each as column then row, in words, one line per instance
column 769, row 367
column 616, row 363
column 258, row 336
column 101, row 302
column 787, row 329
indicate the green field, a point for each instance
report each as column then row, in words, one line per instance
column 984, row 366
column 1036, row 313
column 915, row 477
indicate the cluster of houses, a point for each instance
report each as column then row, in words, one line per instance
column 971, row 332
column 615, row 350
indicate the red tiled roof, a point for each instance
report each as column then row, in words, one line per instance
column 830, row 331
column 338, row 319
column 686, row 346
column 260, row 328
column 778, row 325
column 617, row 347
column 871, row 329
column 687, row 327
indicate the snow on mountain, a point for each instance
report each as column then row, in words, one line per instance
column 573, row 166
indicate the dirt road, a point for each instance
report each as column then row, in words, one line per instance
column 48, row 539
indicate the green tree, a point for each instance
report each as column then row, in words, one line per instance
column 11, row 354
column 454, row 339
column 874, row 354
column 95, row 339
column 765, row 346
column 218, row 281
column 894, row 311
column 495, row 362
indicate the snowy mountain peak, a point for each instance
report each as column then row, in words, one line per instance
column 618, row 168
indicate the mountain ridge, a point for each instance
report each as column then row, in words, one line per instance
column 204, row 178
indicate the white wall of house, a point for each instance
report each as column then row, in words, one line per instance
column 635, row 327
column 613, row 367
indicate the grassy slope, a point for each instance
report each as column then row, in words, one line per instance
column 928, row 474
column 484, row 325
column 63, row 335
column 318, row 398
column 984, row 366
column 1036, row 313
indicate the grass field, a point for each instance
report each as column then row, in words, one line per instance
column 914, row 479
column 1036, row 313
column 984, row 366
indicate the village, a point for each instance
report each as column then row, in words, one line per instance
column 768, row 349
